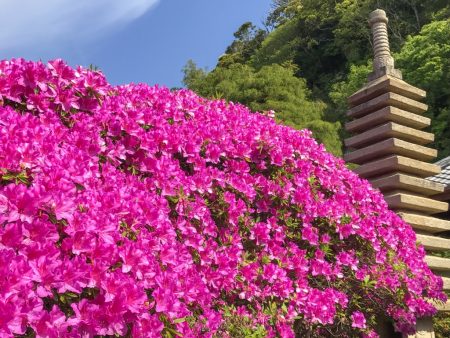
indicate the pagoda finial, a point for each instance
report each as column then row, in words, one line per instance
column 383, row 62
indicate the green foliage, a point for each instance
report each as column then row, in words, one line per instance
column 193, row 76
column 7, row 177
column 317, row 55
column 93, row 67
column 282, row 11
column 425, row 61
column 239, row 326
column 280, row 45
column 272, row 87
column 248, row 38
column 441, row 325
column 327, row 133
column 340, row 91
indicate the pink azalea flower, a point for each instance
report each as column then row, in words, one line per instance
column 140, row 208
column 358, row 320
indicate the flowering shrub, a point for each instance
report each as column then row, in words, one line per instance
column 137, row 211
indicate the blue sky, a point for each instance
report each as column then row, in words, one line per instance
column 129, row 40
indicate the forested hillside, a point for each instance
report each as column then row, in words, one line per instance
column 309, row 56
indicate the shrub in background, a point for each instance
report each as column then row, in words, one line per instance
column 136, row 211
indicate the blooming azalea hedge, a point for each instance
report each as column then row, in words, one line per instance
column 137, row 211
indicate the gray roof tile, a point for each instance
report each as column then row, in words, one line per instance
column 444, row 176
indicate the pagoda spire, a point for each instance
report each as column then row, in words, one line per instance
column 383, row 62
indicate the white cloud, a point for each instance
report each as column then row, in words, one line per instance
column 28, row 23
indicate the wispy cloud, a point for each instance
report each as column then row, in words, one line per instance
column 45, row 22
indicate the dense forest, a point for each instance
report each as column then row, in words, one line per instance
column 308, row 56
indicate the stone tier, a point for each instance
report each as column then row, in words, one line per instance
column 438, row 264
column 388, row 114
column 444, row 307
column 424, row 329
column 426, row 223
column 389, row 130
column 404, row 200
column 395, row 163
column 434, row 243
column 384, row 100
column 406, row 182
column 383, row 85
column 446, row 281
column 391, row 146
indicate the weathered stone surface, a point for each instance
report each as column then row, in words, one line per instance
column 384, row 100
column 438, row 263
column 401, row 181
column 444, row 307
column 383, row 85
column 395, row 163
column 392, row 146
column 446, row 281
column 424, row 329
column 382, row 58
column 400, row 200
column 434, row 243
column 389, row 130
column 388, row 114
column 425, row 223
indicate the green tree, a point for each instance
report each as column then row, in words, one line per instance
column 425, row 62
column 272, row 87
column 280, row 46
column 282, row 11
column 193, row 76
column 248, row 39
column 340, row 91
column 307, row 39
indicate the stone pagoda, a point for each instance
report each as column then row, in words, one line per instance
column 391, row 148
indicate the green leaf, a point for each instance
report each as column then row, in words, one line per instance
column 179, row 320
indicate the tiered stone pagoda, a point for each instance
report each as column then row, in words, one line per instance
column 391, row 148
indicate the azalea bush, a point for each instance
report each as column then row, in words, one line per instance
column 136, row 211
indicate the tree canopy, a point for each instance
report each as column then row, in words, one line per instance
column 273, row 87
column 425, row 61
